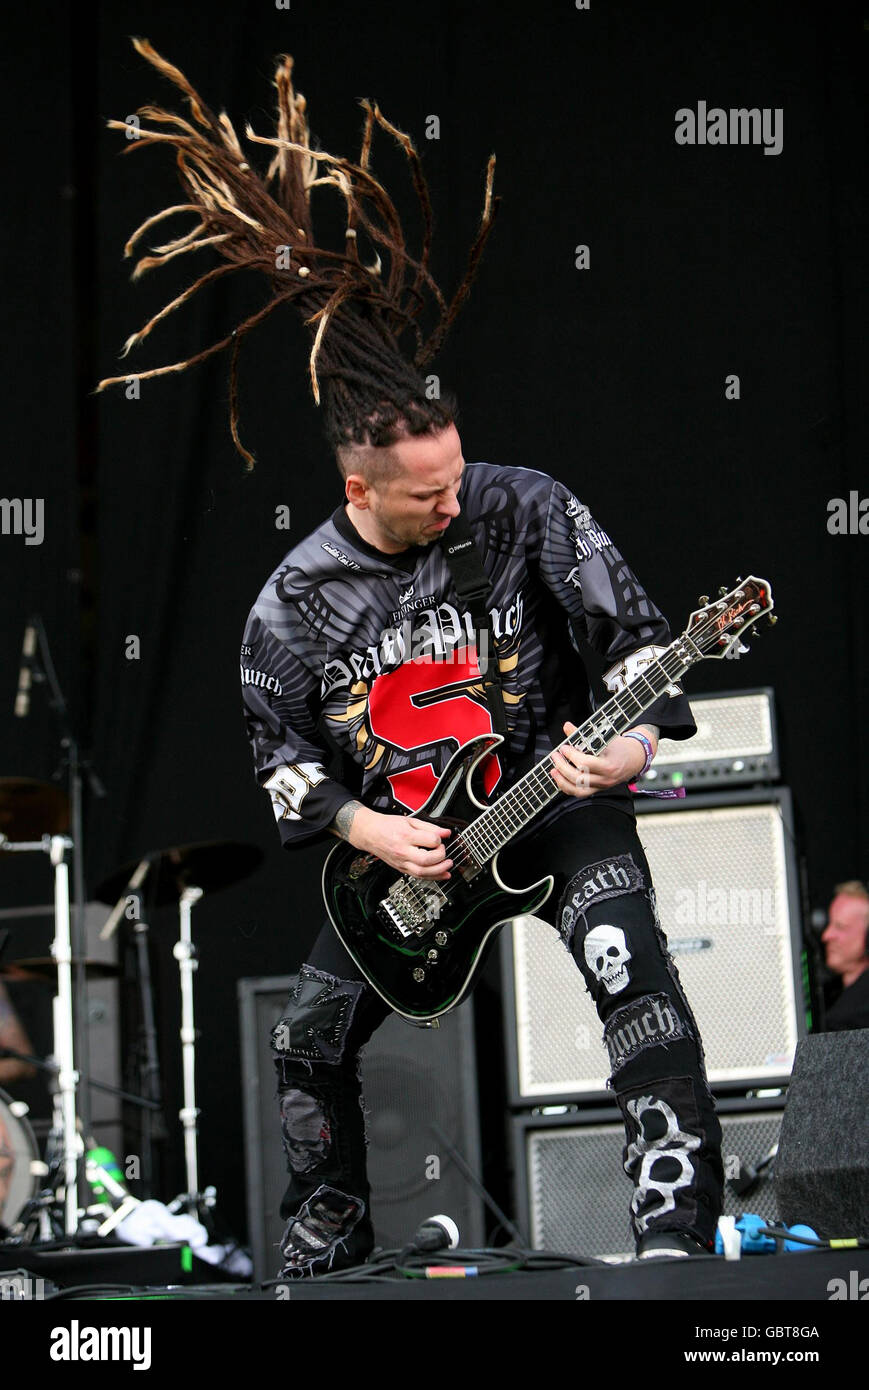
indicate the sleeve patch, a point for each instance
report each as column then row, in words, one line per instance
column 629, row 667
column 289, row 786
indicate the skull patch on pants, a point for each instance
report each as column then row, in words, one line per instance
column 607, row 956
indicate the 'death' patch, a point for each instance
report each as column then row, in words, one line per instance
column 608, row 878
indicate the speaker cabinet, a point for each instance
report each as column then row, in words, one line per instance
column 735, row 744
column 420, row 1091
column 573, row 1195
column 724, row 869
column 822, row 1172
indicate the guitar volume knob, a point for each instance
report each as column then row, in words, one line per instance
column 419, row 974
column 441, row 938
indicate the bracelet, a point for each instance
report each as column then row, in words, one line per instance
column 650, row 752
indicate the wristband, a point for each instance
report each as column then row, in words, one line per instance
column 650, row 752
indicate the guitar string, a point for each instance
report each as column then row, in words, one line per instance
column 538, row 780
column 422, row 888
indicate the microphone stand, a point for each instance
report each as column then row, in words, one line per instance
column 151, row 1129
column 71, row 928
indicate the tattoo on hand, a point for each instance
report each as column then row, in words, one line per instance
column 344, row 819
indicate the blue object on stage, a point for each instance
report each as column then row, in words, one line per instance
column 753, row 1242
column 801, row 1231
column 756, row 1242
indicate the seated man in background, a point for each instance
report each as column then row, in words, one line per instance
column 846, row 942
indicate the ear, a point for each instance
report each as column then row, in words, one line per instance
column 356, row 490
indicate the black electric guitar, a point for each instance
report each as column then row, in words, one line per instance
column 420, row 942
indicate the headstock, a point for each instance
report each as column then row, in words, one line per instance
column 717, row 628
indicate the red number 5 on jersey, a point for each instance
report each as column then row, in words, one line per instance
column 425, row 702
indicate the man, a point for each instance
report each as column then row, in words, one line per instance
column 846, row 940
column 357, row 651
column 323, row 670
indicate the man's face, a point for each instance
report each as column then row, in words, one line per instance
column 845, row 934
column 416, row 505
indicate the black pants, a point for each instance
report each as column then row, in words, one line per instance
column 604, row 908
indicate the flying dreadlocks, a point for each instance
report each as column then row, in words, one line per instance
column 371, row 392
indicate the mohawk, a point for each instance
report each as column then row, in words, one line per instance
column 368, row 345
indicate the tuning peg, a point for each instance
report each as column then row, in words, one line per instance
column 703, row 599
column 722, row 591
column 772, row 619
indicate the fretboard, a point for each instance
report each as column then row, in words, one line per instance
column 514, row 809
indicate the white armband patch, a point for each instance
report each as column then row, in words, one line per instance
column 289, row 786
column 626, row 670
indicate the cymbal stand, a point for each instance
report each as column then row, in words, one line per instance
column 185, row 953
column 62, row 1006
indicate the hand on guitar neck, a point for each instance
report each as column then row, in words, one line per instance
column 580, row 774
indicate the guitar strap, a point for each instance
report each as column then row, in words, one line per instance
column 473, row 588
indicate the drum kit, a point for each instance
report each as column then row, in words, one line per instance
column 52, row 1197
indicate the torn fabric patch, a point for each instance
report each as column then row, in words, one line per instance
column 319, row 1230
column 321, row 1009
column 306, row 1130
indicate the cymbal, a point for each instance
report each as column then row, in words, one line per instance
column 45, row 968
column 210, row 866
column 30, row 809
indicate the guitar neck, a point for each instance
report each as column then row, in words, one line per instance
column 514, row 809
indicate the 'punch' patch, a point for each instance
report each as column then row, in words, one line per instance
column 647, row 1022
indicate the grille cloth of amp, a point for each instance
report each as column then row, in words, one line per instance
column 724, row 870
column 574, row 1196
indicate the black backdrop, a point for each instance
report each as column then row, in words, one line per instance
column 704, row 261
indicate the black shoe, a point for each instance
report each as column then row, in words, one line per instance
column 669, row 1245
column 328, row 1232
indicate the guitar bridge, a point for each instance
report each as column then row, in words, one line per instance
column 411, row 906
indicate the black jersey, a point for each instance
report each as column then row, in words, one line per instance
column 352, row 652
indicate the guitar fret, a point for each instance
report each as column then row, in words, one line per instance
column 499, row 823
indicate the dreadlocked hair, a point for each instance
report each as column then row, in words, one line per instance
column 368, row 346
